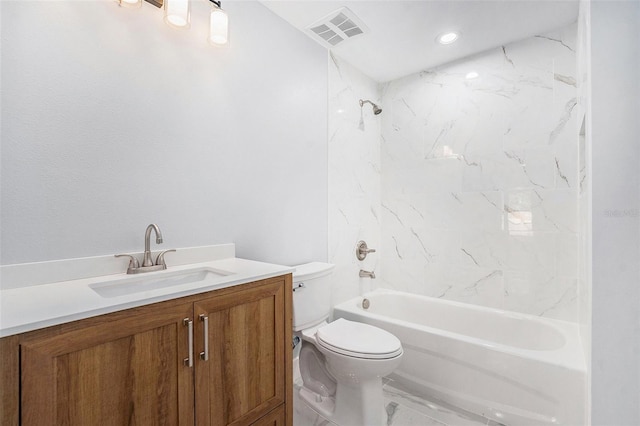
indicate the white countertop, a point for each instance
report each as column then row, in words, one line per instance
column 30, row 307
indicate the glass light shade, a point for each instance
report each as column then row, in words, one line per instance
column 130, row 3
column 218, row 26
column 177, row 13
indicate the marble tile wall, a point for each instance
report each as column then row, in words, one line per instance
column 584, row 188
column 480, row 179
column 354, row 177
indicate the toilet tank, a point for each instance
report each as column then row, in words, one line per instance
column 311, row 294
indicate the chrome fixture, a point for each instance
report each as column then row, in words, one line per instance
column 188, row 361
column 204, row 355
column 160, row 259
column 362, row 250
column 177, row 14
column 147, row 244
column 367, row 274
column 376, row 109
column 147, row 263
column 134, row 265
column 366, row 303
column 295, row 341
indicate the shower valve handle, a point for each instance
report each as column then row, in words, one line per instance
column 362, row 250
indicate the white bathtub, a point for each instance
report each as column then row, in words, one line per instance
column 516, row 369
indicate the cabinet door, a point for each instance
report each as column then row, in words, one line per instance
column 274, row 418
column 125, row 368
column 244, row 377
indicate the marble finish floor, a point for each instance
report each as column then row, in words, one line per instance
column 403, row 409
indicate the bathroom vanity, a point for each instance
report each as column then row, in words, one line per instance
column 218, row 355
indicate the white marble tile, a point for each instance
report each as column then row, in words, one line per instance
column 547, row 210
column 528, row 168
column 531, row 253
column 404, row 275
column 485, row 249
column 400, row 415
column 483, row 171
column 541, row 294
column 430, row 176
column 354, row 177
column 303, row 415
column 567, row 159
column 480, row 286
column 534, row 104
column 440, row 211
column 478, row 210
column 434, row 410
column 480, row 178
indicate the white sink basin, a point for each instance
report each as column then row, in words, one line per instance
column 155, row 280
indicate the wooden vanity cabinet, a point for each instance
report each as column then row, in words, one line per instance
column 125, row 370
column 243, row 377
column 132, row 367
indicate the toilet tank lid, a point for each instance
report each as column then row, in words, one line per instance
column 312, row 270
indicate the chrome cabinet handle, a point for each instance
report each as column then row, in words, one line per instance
column 204, row 355
column 189, row 360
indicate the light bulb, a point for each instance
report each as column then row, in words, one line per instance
column 177, row 13
column 218, row 26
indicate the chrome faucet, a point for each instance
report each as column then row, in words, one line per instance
column 367, row 274
column 147, row 263
column 147, row 244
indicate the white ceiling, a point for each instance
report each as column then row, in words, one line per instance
column 401, row 40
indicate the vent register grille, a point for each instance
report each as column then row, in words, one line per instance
column 337, row 27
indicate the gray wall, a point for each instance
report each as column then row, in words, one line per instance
column 112, row 120
column 615, row 66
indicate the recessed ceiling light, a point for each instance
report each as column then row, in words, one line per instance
column 471, row 75
column 448, row 38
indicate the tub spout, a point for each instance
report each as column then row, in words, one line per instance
column 367, row 274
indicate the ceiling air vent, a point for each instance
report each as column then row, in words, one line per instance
column 337, row 27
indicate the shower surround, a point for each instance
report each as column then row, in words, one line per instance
column 468, row 188
column 354, row 177
column 480, row 181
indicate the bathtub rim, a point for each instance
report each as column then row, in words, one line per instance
column 569, row 356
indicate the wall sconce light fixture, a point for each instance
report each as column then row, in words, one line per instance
column 218, row 24
column 177, row 13
column 130, row 3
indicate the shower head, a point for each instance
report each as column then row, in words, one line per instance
column 376, row 109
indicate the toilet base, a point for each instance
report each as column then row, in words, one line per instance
column 356, row 406
column 325, row 406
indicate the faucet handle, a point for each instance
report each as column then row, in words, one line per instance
column 160, row 258
column 362, row 250
column 133, row 261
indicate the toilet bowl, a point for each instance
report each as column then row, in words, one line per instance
column 341, row 363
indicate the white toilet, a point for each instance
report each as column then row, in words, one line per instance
column 342, row 363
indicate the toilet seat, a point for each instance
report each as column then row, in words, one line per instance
column 358, row 340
